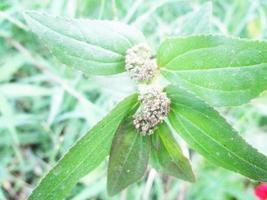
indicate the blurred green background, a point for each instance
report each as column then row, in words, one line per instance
column 45, row 106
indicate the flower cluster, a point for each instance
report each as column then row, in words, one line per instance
column 154, row 107
column 140, row 64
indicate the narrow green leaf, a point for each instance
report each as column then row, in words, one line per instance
column 222, row 71
column 84, row 156
column 92, row 46
column 167, row 156
column 128, row 157
column 208, row 133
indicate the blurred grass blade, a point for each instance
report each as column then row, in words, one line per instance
column 18, row 90
column 128, row 157
column 8, row 117
column 196, row 22
column 10, row 66
column 92, row 46
column 208, row 133
column 223, row 71
column 25, row 138
column 167, row 156
column 84, row 156
column 56, row 103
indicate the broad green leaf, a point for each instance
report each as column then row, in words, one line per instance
column 128, row 157
column 196, row 22
column 84, row 156
column 167, row 156
column 207, row 132
column 222, row 71
column 92, row 46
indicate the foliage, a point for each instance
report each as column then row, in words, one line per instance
column 45, row 107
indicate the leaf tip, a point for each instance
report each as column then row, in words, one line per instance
column 191, row 177
column 112, row 191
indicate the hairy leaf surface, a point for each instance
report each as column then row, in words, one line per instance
column 84, row 156
column 222, row 71
column 208, row 133
column 92, row 46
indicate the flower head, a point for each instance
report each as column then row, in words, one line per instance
column 139, row 63
column 154, row 107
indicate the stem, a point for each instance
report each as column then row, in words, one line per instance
column 101, row 11
column 182, row 193
column 151, row 177
column 123, row 195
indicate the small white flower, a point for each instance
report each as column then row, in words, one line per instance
column 139, row 63
column 154, row 107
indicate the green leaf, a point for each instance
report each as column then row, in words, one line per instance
column 92, row 46
column 222, row 71
column 84, row 156
column 128, row 157
column 207, row 132
column 167, row 156
column 196, row 22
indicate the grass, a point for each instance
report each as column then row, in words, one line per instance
column 45, row 106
